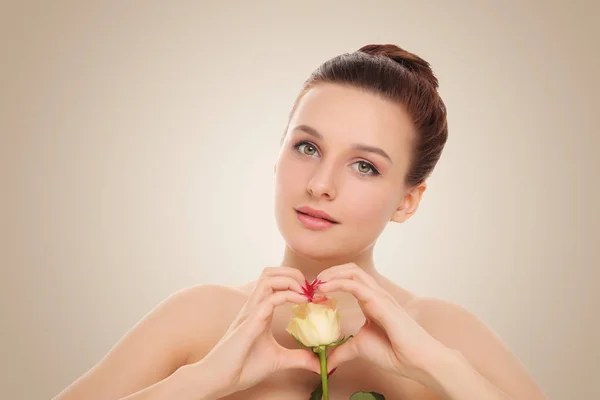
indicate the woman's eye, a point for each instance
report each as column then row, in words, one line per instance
column 366, row 168
column 307, row 148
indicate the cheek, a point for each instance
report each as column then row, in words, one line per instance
column 290, row 176
column 371, row 206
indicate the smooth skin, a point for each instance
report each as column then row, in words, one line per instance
column 346, row 152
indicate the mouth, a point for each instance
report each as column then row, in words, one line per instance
column 316, row 214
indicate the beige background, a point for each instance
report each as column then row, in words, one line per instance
column 137, row 148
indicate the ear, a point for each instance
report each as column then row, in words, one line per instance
column 410, row 203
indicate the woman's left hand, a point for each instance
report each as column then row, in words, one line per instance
column 389, row 338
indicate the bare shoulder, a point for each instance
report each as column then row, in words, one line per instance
column 167, row 337
column 462, row 330
column 200, row 315
column 207, row 302
column 187, row 311
column 449, row 322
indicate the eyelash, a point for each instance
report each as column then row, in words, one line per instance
column 373, row 172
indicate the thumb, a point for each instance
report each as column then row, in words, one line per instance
column 300, row 359
column 340, row 354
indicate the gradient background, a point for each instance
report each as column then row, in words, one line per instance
column 137, row 148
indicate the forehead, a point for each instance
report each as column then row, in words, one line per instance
column 348, row 115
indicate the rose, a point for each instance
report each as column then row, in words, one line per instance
column 315, row 324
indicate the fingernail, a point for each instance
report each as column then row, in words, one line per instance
column 331, row 372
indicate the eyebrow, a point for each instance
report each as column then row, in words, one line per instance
column 361, row 147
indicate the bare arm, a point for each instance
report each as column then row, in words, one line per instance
column 151, row 351
column 479, row 365
column 190, row 382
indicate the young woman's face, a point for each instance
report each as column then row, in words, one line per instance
column 346, row 153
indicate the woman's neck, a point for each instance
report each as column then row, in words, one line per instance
column 311, row 267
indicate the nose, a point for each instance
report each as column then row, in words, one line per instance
column 322, row 183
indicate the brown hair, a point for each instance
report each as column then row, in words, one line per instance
column 400, row 76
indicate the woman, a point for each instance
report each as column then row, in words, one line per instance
column 362, row 138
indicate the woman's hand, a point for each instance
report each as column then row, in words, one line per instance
column 248, row 352
column 389, row 338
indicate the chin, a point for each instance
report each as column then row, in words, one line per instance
column 315, row 250
column 318, row 246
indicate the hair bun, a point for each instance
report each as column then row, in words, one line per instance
column 405, row 58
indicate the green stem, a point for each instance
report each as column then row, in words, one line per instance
column 323, row 360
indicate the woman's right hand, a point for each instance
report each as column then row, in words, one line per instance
column 248, row 352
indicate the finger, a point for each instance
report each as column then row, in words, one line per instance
column 269, row 285
column 264, row 287
column 260, row 317
column 300, row 359
column 358, row 289
column 373, row 304
column 341, row 354
column 262, row 314
column 348, row 271
column 284, row 271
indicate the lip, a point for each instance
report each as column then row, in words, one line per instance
column 316, row 220
column 317, row 214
